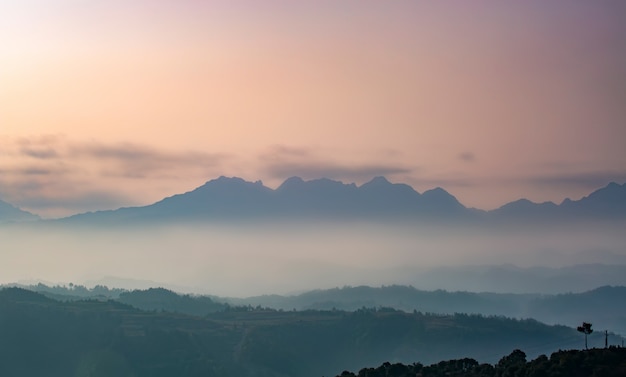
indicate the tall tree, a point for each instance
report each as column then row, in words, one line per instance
column 586, row 329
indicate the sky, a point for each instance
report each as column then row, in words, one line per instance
column 106, row 104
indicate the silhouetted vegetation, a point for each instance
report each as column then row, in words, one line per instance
column 603, row 305
column 40, row 336
column 585, row 329
column 74, row 291
column 163, row 299
column 610, row 362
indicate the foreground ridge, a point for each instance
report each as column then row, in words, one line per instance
column 607, row 362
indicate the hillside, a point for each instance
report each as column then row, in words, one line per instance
column 41, row 336
column 603, row 306
column 166, row 300
column 609, row 362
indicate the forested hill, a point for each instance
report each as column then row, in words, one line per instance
column 609, row 362
column 43, row 337
column 602, row 306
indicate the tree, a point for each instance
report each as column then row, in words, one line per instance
column 512, row 365
column 586, row 329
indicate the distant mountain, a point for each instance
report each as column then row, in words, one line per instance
column 233, row 198
column 604, row 306
column 524, row 207
column 508, row 278
column 606, row 203
column 400, row 297
column 10, row 213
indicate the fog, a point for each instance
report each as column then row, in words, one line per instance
column 241, row 260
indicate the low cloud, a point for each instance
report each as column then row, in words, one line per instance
column 114, row 159
column 280, row 151
column 467, row 157
column 444, row 183
column 282, row 162
column 55, row 176
column 38, row 170
column 78, row 202
column 329, row 170
column 51, row 195
column 39, row 153
column 586, row 179
column 42, row 147
column 137, row 161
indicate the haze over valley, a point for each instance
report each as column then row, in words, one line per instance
column 303, row 189
column 236, row 238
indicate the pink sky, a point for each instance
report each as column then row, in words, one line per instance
column 107, row 104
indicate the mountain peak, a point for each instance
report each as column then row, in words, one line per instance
column 610, row 190
column 330, row 182
column 224, row 179
column 291, row 182
column 438, row 193
column 437, row 190
column 440, row 198
column 608, row 200
column 378, row 181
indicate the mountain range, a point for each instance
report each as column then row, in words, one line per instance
column 10, row 213
column 234, row 198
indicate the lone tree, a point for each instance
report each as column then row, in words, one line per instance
column 586, row 329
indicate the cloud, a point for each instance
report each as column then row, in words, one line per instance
column 424, row 182
column 42, row 147
column 90, row 200
column 467, row 156
column 108, row 160
column 40, row 153
column 314, row 170
column 27, row 170
column 279, row 151
column 55, row 176
column 137, row 161
column 281, row 162
column 52, row 195
column 35, row 171
column 586, row 179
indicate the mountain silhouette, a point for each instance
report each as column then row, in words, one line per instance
column 608, row 202
column 524, row 207
column 235, row 198
column 378, row 199
column 10, row 213
column 221, row 196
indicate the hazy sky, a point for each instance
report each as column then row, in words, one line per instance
column 112, row 103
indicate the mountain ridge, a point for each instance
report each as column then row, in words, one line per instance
column 236, row 198
column 11, row 213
